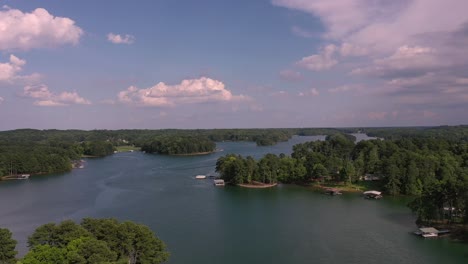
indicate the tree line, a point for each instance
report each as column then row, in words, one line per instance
column 47, row 157
column 91, row 241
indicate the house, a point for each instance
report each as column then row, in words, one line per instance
column 371, row 177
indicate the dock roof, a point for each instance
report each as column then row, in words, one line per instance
column 429, row 230
column 373, row 192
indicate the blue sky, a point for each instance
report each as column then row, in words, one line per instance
column 227, row 64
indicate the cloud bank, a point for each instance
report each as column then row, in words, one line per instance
column 192, row 91
column 38, row 29
column 412, row 51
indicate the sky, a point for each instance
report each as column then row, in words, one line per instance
column 154, row 64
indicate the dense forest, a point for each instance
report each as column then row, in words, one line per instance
column 179, row 145
column 31, row 151
column 91, row 241
column 434, row 170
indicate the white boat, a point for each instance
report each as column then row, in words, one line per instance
column 372, row 195
column 429, row 235
column 23, row 177
column 200, row 177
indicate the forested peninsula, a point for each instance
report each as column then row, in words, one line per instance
column 432, row 169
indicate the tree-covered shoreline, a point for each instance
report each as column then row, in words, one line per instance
column 432, row 170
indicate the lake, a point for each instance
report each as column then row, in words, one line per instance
column 201, row 223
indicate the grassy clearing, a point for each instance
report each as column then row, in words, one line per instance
column 127, row 148
column 348, row 187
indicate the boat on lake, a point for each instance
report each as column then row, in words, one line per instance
column 372, row 195
column 332, row 191
column 22, row 176
column 200, row 177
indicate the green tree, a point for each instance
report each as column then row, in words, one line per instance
column 319, row 171
column 45, row 254
column 140, row 245
column 89, row 251
column 57, row 235
column 7, row 247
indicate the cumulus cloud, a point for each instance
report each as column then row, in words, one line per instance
column 9, row 71
column 38, row 29
column 44, row 97
column 289, row 75
column 311, row 92
column 322, row 61
column 120, row 39
column 191, row 91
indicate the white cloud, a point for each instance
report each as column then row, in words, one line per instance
column 348, row 49
column 322, row 61
column 192, row 91
column 9, row 71
column 44, row 97
column 311, row 92
column 120, row 39
column 1, row 100
column 38, row 29
column 381, row 24
column 340, row 16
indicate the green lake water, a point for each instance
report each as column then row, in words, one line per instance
column 201, row 223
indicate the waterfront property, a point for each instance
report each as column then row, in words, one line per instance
column 218, row 182
column 430, row 232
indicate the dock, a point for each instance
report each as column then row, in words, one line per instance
column 430, row 232
column 218, row 182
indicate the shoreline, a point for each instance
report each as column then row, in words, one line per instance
column 257, row 185
column 195, row 153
